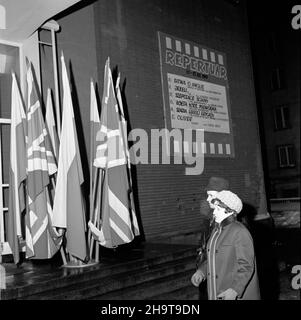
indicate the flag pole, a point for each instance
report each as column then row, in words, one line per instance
column 96, row 177
column 61, row 249
column 91, row 169
column 95, row 218
column 56, row 84
column 98, row 224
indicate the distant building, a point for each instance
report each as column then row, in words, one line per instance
column 276, row 53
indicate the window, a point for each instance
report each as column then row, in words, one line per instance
column 12, row 58
column 277, row 80
column 9, row 61
column 286, row 156
column 281, row 117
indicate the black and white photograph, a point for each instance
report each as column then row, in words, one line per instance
column 150, row 153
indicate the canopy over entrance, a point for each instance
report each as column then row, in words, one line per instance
column 19, row 19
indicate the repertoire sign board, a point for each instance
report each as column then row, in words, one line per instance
column 196, row 92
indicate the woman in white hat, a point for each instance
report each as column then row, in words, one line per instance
column 230, row 267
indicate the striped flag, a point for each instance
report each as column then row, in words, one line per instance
column 40, row 240
column 50, row 125
column 17, row 171
column 95, row 188
column 117, row 220
column 94, row 124
column 68, row 208
column 123, row 125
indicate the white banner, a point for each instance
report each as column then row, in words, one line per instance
column 196, row 104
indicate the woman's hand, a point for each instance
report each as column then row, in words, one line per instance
column 229, row 294
column 197, row 278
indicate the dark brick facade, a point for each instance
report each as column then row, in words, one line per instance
column 126, row 30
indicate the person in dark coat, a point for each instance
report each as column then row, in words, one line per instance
column 230, row 265
column 215, row 185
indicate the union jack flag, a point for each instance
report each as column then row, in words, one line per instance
column 42, row 241
column 118, row 220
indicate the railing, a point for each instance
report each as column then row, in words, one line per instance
column 284, row 204
column 283, row 200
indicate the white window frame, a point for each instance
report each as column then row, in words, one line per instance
column 53, row 27
column 5, row 248
column 288, row 164
column 283, row 122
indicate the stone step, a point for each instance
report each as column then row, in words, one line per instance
column 103, row 285
column 149, row 289
column 188, row 292
column 40, row 284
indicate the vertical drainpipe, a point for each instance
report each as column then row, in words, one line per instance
column 53, row 27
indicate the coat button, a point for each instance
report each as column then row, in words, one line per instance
column 216, row 251
column 216, row 276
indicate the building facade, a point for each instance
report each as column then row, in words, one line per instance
column 167, row 199
column 277, row 65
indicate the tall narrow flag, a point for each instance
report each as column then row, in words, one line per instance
column 41, row 164
column 68, row 207
column 116, row 216
column 94, row 126
column 50, row 125
column 123, row 125
column 17, row 171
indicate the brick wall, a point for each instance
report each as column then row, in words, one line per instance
column 126, row 30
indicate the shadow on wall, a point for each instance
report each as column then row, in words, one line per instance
column 263, row 233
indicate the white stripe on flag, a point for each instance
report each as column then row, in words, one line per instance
column 118, row 207
column 28, row 238
column 116, row 162
column 102, row 147
column 32, row 109
column 113, row 133
column 40, row 164
column 35, row 144
column 43, row 227
column 120, row 233
column 32, row 218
